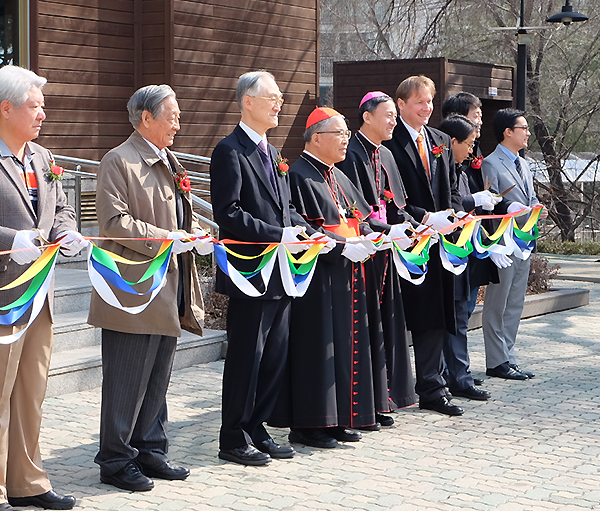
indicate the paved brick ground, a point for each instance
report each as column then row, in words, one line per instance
column 534, row 446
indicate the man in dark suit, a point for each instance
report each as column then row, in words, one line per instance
column 505, row 169
column 426, row 162
column 251, row 202
column 34, row 207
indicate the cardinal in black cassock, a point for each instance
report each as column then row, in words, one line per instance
column 329, row 386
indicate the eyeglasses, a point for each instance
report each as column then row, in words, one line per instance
column 339, row 133
column 471, row 145
column 275, row 100
column 526, row 128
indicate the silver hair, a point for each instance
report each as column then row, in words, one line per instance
column 249, row 84
column 320, row 126
column 148, row 98
column 16, row 82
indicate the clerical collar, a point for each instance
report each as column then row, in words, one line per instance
column 328, row 167
column 255, row 137
column 369, row 141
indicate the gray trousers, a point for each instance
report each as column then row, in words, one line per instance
column 502, row 313
column 136, row 370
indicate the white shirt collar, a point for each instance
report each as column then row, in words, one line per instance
column 414, row 133
column 319, row 160
column 161, row 153
column 255, row 137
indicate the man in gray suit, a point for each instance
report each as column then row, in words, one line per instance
column 34, row 207
column 503, row 305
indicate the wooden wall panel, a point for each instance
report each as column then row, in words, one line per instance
column 215, row 41
column 95, row 53
column 86, row 51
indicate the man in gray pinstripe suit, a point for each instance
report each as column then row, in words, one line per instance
column 33, row 206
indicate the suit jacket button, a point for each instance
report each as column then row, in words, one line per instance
column 170, row 197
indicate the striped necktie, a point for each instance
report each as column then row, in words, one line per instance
column 423, row 155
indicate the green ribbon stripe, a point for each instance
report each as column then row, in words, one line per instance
column 458, row 251
column 104, row 259
column 303, row 268
column 418, row 259
column 34, row 286
column 264, row 261
column 525, row 236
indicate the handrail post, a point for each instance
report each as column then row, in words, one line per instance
column 78, row 197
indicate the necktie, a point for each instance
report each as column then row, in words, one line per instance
column 423, row 155
column 268, row 165
column 520, row 172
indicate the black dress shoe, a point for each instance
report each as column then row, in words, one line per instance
column 342, row 434
column 519, row 370
column 506, row 372
column 441, row 405
column 472, row 392
column 477, row 381
column 5, row 506
column 275, row 450
column 448, row 394
column 384, row 420
column 130, row 477
column 313, row 437
column 166, row 471
column 48, row 500
column 372, row 427
column 247, row 455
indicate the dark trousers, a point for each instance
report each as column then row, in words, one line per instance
column 456, row 352
column 257, row 335
column 136, row 370
column 429, row 363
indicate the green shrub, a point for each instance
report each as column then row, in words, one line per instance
column 568, row 247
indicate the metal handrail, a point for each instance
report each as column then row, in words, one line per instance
column 200, row 203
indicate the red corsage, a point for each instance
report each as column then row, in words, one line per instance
column 438, row 150
column 182, row 181
column 282, row 165
column 388, row 195
column 476, row 162
column 55, row 173
column 355, row 212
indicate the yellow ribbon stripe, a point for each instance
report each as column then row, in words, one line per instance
column 34, row 269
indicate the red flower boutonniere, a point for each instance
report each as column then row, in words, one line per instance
column 282, row 165
column 355, row 212
column 388, row 195
column 182, row 181
column 438, row 150
column 476, row 162
column 55, row 173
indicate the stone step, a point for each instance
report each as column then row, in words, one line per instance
column 72, row 290
column 81, row 369
column 71, row 331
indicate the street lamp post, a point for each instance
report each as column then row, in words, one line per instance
column 566, row 17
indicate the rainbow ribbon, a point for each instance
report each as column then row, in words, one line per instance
column 40, row 274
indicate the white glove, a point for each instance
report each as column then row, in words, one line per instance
column 72, row 243
column 500, row 260
column 24, row 240
column 179, row 245
column 398, row 234
column 438, row 220
column 290, row 235
column 486, row 199
column 329, row 242
column 517, row 206
column 355, row 250
column 387, row 241
column 204, row 245
column 367, row 241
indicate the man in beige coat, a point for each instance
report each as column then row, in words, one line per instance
column 139, row 195
column 33, row 205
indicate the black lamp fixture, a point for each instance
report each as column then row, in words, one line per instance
column 567, row 16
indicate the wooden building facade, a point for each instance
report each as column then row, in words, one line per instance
column 96, row 53
column 492, row 84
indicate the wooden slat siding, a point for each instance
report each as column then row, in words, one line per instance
column 34, row 62
column 215, row 41
column 86, row 50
